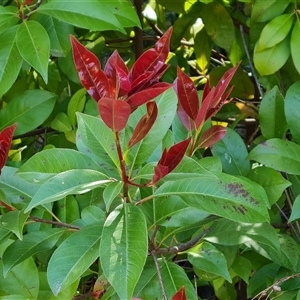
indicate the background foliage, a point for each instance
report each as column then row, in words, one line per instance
column 78, row 222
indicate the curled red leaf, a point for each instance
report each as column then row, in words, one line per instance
column 211, row 136
column 6, row 136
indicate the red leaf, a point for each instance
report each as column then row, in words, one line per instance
column 170, row 159
column 117, row 73
column 114, row 113
column 180, row 295
column 28, row 2
column 187, row 122
column 145, row 124
column 187, row 94
column 154, row 58
column 144, row 96
column 6, row 136
column 211, row 136
column 89, row 70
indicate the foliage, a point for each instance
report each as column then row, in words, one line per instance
column 125, row 171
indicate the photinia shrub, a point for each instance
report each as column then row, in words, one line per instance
column 134, row 200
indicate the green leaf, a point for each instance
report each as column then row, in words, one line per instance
column 124, row 248
column 176, row 6
column 242, row 267
column 16, row 190
column 63, row 268
column 126, row 14
column 47, row 163
column 76, row 104
column 232, row 152
column 67, row 209
column 10, row 59
column 289, row 256
column 226, row 196
column 271, row 116
column 8, row 17
column 208, row 258
column 203, row 48
column 295, row 44
column 91, row 15
column 295, row 210
column 174, row 277
column 270, row 60
column 167, row 106
column 14, row 221
column 96, row 140
column 93, row 214
column 218, row 24
column 34, row 46
column 61, row 123
column 29, row 109
column 58, row 32
column 264, row 11
column 272, row 181
column 32, row 243
column 229, row 233
column 292, row 112
column 281, row 155
column 67, row 183
column 111, row 192
column 23, row 280
column 275, row 32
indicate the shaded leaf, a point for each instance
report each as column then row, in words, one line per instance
column 124, row 248
column 34, row 46
column 114, row 113
column 295, row 210
column 295, row 44
column 32, row 243
column 144, row 125
column 89, row 71
column 76, row 104
column 111, row 192
column 67, row 183
column 61, row 123
column 63, row 268
column 6, row 136
column 211, row 136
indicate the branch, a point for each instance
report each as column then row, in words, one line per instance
column 54, row 223
column 184, row 246
column 34, row 132
column 138, row 37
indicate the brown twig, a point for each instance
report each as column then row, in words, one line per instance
column 138, row 37
column 61, row 224
column 34, row 132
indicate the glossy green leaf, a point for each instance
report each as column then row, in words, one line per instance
column 295, row 44
column 232, row 152
column 264, row 11
column 295, row 210
column 203, row 47
column 274, row 32
column 292, row 111
column 174, row 278
column 14, row 221
column 167, row 106
column 67, row 209
column 111, row 192
column 67, row 183
column 31, row 244
column 270, row 60
column 76, row 104
column 8, row 17
column 281, row 155
column 85, row 14
column 124, row 248
column 34, row 46
column 23, row 280
column 272, row 181
column 50, row 162
column 61, row 123
column 208, row 258
column 95, row 139
column 218, row 24
column 15, row 189
column 227, row 232
column 63, row 268
column 58, row 32
column 125, row 12
column 226, row 196
column 29, row 109
column 10, row 58
column 271, row 116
